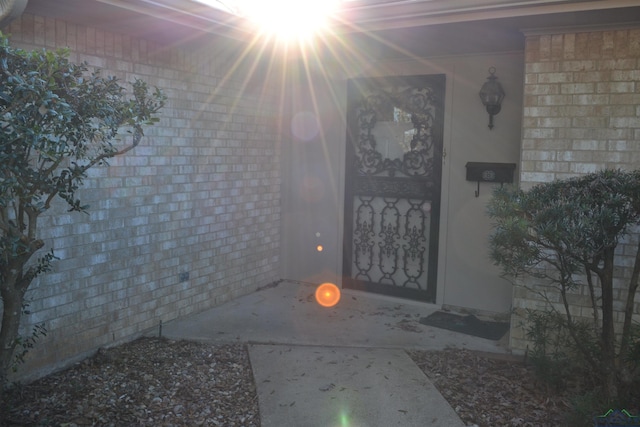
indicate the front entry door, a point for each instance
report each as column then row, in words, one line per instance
column 393, row 180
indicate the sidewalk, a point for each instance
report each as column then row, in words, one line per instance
column 340, row 366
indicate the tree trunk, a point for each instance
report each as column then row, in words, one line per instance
column 628, row 310
column 609, row 365
column 12, row 300
column 14, row 282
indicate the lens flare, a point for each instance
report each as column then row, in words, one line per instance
column 344, row 419
column 319, row 248
column 311, row 188
column 305, row 126
column 327, row 295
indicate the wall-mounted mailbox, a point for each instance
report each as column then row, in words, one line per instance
column 490, row 172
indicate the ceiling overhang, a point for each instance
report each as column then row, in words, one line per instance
column 160, row 20
column 403, row 14
column 355, row 16
column 10, row 10
column 379, row 29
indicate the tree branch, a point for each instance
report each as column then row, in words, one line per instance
column 137, row 136
column 572, row 331
column 592, row 294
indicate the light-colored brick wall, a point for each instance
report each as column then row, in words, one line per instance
column 199, row 195
column 581, row 114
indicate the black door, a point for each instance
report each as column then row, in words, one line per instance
column 393, row 180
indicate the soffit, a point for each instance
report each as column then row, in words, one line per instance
column 373, row 16
column 387, row 29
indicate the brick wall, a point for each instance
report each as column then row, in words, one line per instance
column 200, row 196
column 581, row 114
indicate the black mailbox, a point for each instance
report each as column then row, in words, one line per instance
column 490, row 172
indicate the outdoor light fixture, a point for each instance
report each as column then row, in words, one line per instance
column 492, row 95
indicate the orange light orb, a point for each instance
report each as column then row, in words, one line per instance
column 319, row 248
column 327, row 295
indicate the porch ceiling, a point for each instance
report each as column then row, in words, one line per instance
column 386, row 29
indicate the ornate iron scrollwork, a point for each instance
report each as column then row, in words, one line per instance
column 394, row 147
column 414, row 250
column 363, row 236
column 418, row 103
column 389, row 246
column 390, row 237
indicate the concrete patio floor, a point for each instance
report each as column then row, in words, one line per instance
column 339, row 366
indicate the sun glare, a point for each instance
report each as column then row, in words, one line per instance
column 290, row 19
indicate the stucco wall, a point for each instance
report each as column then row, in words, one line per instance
column 200, row 196
column 314, row 132
column 313, row 176
column 581, row 114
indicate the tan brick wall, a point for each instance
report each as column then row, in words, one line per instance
column 581, row 114
column 200, row 195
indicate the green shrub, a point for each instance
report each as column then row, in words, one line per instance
column 564, row 235
column 57, row 120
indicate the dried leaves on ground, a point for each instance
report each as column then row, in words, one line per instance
column 492, row 391
column 148, row 382
column 158, row 382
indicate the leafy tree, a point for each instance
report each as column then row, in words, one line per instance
column 57, row 120
column 565, row 235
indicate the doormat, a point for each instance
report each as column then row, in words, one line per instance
column 469, row 325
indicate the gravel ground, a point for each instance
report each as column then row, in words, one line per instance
column 159, row 382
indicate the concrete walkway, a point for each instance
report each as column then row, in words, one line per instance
column 340, row 366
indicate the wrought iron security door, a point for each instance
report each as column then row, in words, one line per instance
column 392, row 197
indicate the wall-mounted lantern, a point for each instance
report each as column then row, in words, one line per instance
column 492, row 95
